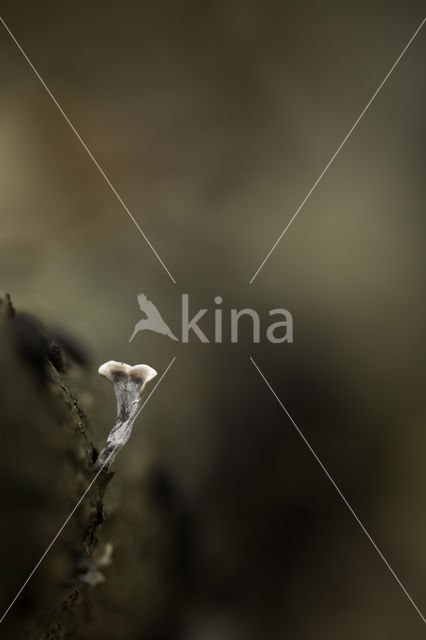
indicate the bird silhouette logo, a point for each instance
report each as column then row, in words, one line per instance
column 153, row 320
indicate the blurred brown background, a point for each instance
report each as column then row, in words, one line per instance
column 213, row 120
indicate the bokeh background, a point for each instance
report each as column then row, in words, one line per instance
column 212, row 120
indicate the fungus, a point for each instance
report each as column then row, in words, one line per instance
column 89, row 569
column 129, row 384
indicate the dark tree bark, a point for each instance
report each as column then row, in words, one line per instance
column 45, row 467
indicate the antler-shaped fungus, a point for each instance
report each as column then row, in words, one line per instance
column 129, row 383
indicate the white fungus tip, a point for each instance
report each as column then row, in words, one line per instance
column 143, row 371
column 108, row 369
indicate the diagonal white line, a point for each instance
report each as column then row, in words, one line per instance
column 338, row 491
column 339, row 148
column 77, row 505
column 90, row 154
